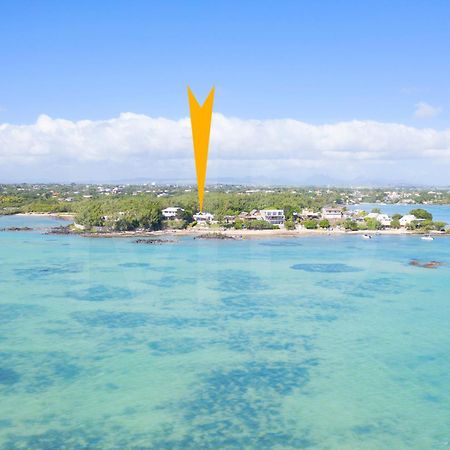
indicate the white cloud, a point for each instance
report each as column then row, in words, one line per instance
column 425, row 110
column 159, row 146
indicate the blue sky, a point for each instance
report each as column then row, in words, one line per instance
column 318, row 62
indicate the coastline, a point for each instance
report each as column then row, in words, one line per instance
column 63, row 216
column 207, row 232
column 245, row 234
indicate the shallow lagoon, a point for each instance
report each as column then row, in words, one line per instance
column 334, row 343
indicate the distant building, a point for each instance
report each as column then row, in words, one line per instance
column 332, row 213
column 203, row 217
column 384, row 219
column 308, row 214
column 171, row 212
column 252, row 215
column 408, row 219
column 274, row 216
column 229, row 219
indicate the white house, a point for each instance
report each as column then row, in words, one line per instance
column 384, row 219
column 203, row 217
column 408, row 219
column 308, row 214
column 171, row 212
column 274, row 216
column 332, row 213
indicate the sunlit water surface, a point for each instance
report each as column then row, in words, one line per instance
column 319, row 342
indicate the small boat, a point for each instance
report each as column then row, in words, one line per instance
column 427, row 238
column 367, row 236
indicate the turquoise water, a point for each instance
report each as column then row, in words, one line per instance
column 319, row 342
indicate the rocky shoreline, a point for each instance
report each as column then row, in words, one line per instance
column 231, row 234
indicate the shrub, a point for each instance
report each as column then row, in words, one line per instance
column 421, row 214
column 259, row 225
column 324, row 223
column 310, row 224
column 289, row 224
column 350, row 225
column 176, row 224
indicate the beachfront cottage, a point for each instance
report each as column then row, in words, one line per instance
column 252, row 215
column 408, row 219
column 273, row 216
column 229, row 219
column 307, row 214
column 203, row 217
column 171, row 212
column 332, row 213
column 384, row 219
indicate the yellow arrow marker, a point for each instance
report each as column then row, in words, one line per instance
column 201, row 127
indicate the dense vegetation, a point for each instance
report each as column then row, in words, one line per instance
column 131, row 207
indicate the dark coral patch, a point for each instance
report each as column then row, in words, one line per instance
column 177, row 346
column 34, row 273
column 233, row 407
column 237, row 281
column 55, row 440
column 54, row 367
column 8, row 376
column 326, row 268
column 101, row 293
column 14, row 311
column 282, row 243
column 135, row 265
column 168, row 281
column 112, row 319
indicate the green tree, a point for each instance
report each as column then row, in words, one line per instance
column 395, row 223
column 310, row 224
column 185, row 214
column 289, row 224
column 350, row 225
column 324, row 223
column 259, row 225
column 150, row 219
column 439, row 226
column 90, row 215
column 421, row 214
column 125, row 224
column 176, row 224
column 373, row 224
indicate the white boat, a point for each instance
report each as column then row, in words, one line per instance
column 427, row 238
column 367, row 236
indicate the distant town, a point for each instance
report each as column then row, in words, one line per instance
column 151, row 207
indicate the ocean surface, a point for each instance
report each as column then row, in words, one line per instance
column 304, row 343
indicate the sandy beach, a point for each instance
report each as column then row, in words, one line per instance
column 63, row 216
column 200, row 231
column 248, row 234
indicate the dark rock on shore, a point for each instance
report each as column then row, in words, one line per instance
column 426, row 264
column 215, row 236
column 59, row 230
column 16, row 229
column 154, row 241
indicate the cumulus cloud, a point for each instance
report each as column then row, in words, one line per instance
column 134, row 140
column 425, row 110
